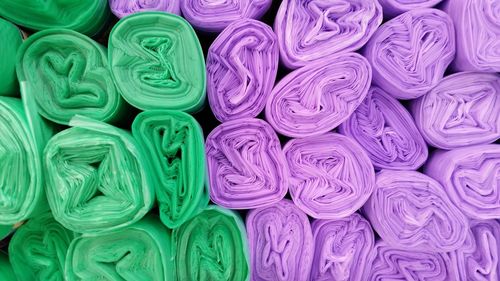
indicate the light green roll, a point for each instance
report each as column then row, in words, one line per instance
column 11, row 39
column 66, row 73
column 38, row 249
column 6, row 272
column 157, row 62
column 97, row 177
column 140, row 252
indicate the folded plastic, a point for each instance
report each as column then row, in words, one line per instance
column 212, row 246
column 242, row 64
column 173, row 144
column 412, row 211
column 470, row 176
column 462, row 110
column 123, row 8
column 393, row 8
column 342, row 248
column 410, row 53
column 246, row 166
column 316, row 98
column 387, row 132
column 11, row 40
column 157, row 62
column 281, row 243
column 331, row 175
column 6, row 272
column 313, row 30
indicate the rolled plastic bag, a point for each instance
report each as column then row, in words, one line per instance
column 37, row 251
column 122, row 8
column 387, row 132
column 173, row 144
column 11, row 40
column 470, row 177
column 214, row 16
column 157, row 62
column 6, row 272
column 462, row 110
column 142, row 251
column 66, row 74
column 331, row 175
column 212, row 246
column 393, row 8
column 313, row 30
column 410, row 53
column 97, row 177
column 342, row 248
column 412, row 211
column 242, row 64
column 316, row 98
column 281, row 243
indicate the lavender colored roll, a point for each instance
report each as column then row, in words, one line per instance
column 342, row 248
column 412, row 211
column 387, row 132
column 312, row 30
column 316, row 98
column 393, row 8
column 246, row 166
column 471, row 177
column 410, row 53
column 331, row 175
column 478, row 34
column 122, row 8
column 281, row 243
column 463, row 109
column 241, row 69
column 214, row 16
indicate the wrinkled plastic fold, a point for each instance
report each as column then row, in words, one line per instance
column 122, row 8
column 10, row 43
column 6, row 271
column 393, row 8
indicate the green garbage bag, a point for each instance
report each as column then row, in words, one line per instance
column 11, row 39
column 6, row 272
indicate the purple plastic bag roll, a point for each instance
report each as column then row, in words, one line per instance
column 412, row 211
column 471, row 177
column 331, row 175
column 393, row 8
column 463, row 109
column 342, row 248
column 214, row 16
column 246, row 166
column 122, row 8
column 478, row 34
column 410, row 53
column 281, row 243
column 387, row 132
column 316, row 98
column 241, row 69
column 312, row 30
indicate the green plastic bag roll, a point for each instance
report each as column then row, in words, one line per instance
column 140, row 252
column 157, row 62
column 174, row 145
column 66, row 73
column 212, row 246
column 97, row 177
column 11, row 39
column 85, row 16
column 38, row 249
column 6, row 272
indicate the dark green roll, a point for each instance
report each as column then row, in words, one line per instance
column 11, row 39
column 6, row 272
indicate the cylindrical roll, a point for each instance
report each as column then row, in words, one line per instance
column 212, row 246
column 141, row 252
column 6, row 272
column 66, row 73
column 84, row 16
column 246, row 166
column 11, row 40
column 316, row 98
column 241, row 69
column 471, row 177
column 281, row 243
column 38, row 249
column 411, row 210
column 174, row 146
column 97, row 177
column 387, row 132
column 462, row 110
column 393, row 8
column 478, row 34
column 214, row 16
column 331, row 175
column 122, row 8
column 342, row 248
column 410, row 53
column 313, row 30
column 157, row 62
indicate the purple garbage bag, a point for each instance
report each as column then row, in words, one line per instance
column 393, row 8
column 122, row 8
